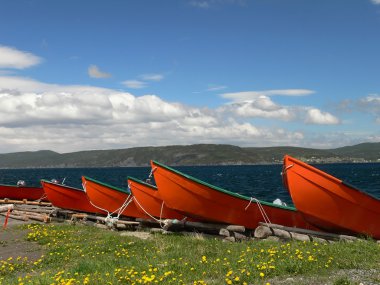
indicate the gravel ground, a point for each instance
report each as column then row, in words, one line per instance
column 342, row 277
column 13, row 243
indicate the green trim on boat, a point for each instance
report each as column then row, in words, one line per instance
column 221, row 189
column 142, row 182
column 107, row 185
column 62, row 185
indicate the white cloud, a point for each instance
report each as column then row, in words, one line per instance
column 134, row 84
column 249, row 95
column 257, row 105
column 316, row 116
column 370, row 104
column 216, row 88
column 261, row 106
column 143, row 81
column 205, row 4
column 376, row 2
column 152, row 77
column 36, row 115
column 16, row 59
column 95, row 72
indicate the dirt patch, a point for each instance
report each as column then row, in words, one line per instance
column 343, row 276
column 13, row 244
column 140, row 235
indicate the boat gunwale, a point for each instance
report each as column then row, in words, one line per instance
column 20, row 187
column 327, row 175
column 61, row 185
column 106, row 185
column 224, row 191
column 154, row 188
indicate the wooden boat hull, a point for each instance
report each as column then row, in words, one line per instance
column 111, row 198
column 329, row 203
column 69, row 198
column 14, row 192
column 205, row 202
column 148, row 198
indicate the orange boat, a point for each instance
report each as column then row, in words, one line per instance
column 148, row 199
column 66, row 197
column 328, row 202
column 200, row 200
column 20, row 192
column 114, row 200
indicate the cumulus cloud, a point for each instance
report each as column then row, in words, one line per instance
column 316, row 116
column 95, row 72
column 261, row 106
column 376, row 2
column 36, row 115
column 15, row 59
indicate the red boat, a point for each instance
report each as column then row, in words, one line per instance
column 69, row 198
column 21, row 191
column 194, row 198
column 114, row 200
column 330, row 203
column 148, row 199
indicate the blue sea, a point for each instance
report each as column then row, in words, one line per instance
column 263, row 182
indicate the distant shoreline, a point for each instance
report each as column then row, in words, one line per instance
column 189, row 155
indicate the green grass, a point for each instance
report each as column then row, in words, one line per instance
column 88, row 255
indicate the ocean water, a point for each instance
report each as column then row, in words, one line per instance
column 263, row 182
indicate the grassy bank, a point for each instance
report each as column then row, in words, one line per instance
column 87, row 255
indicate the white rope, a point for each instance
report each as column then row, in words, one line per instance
column 41, row 198
column 261, row 208
column 286, row 169
column 151, row 172
column 123, row 206
column 120, row 210
column 104, row 210
column 146, row 212
column 162, row 208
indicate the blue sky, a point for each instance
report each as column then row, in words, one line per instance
column 80, row 75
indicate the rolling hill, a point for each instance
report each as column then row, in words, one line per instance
column 199, row 154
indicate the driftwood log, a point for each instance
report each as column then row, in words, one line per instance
column 26, row 202
column 233, row 233
column 45, row 212
column 264, row 231
column 15, row 217
column 6, row 208
column 226, row 232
